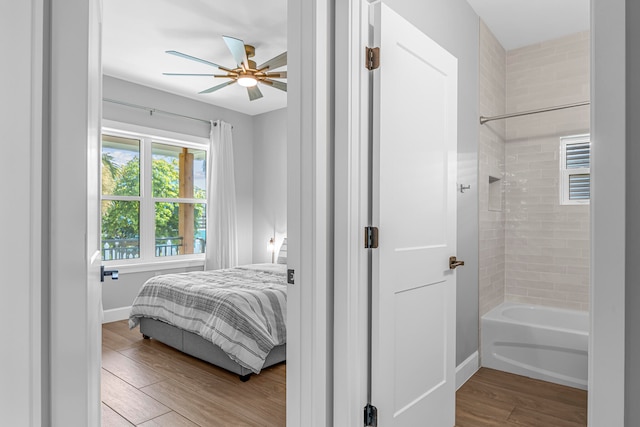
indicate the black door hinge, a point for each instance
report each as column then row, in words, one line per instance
column 370, row 416
column 372, row 58
column 371, row 237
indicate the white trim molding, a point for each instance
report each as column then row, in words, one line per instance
column 466, row 369
column 116, row 314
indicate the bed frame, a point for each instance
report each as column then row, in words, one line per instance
column 196, row 346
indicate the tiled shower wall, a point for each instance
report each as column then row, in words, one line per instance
column 491, row 157
column 532, row 249
column 547, row 244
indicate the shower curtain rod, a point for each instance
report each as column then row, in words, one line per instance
column 155, row 110
column 484, row 119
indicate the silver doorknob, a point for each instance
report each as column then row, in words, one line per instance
column 453, row 263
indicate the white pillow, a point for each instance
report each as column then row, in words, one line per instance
column 282, row 253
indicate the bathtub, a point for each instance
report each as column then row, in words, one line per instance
column 546, row 343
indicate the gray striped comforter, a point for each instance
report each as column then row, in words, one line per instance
column 242, row 310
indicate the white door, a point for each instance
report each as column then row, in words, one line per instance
column 414, row 206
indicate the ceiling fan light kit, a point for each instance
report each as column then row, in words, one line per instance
column 247, row 73
column 247, row 80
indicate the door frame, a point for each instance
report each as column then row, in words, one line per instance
column 352, row 213
column 75, row 106
column 309, row 212
column 606, row 398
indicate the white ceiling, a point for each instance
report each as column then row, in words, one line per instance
column 518, row 23
column 136, row 34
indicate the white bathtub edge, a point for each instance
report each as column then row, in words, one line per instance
column 466, row 369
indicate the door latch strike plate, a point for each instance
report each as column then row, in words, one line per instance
column 290, row 277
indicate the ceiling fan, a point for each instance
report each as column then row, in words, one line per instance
column 246, row 73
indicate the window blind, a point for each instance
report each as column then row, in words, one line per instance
column 579, row 187
column 578, row 156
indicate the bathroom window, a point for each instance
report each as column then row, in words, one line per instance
column 575, row 170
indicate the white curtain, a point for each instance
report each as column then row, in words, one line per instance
column 222, row 240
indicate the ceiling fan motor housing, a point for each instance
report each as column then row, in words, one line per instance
column 251, row 51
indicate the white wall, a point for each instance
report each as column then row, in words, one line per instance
column 455, row 26
column 121, row 293
column 269, row 182
column 20, row 212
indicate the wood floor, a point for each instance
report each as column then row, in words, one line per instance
column 496, row 398
column 146, row 383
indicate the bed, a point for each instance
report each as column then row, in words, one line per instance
column 233, row 318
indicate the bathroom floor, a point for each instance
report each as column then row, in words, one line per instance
column 496, row 398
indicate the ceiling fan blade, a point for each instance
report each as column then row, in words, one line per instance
column 236, row 46
column 254, row 93
column 277, row 62
column 220, row 86
column 277, row 75
column 275, row 83
column 193, row 58
column 182, row 74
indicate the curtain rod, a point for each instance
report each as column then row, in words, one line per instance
column 484, row 119
column 155, row 110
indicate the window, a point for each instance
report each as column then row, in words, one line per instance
column 575, row 173
column 153, row 197
column 120, row 197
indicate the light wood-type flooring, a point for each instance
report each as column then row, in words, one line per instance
column 147, row 383
column 496, row 398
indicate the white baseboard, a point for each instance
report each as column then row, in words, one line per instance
column 116, row 314
column 466, row 369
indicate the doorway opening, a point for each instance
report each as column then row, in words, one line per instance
column 162, row 115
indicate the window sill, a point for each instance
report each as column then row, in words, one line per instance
column 574, row 202
column 145, row 266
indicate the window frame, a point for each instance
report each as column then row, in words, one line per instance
column 565, row 172
column 147, row 261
